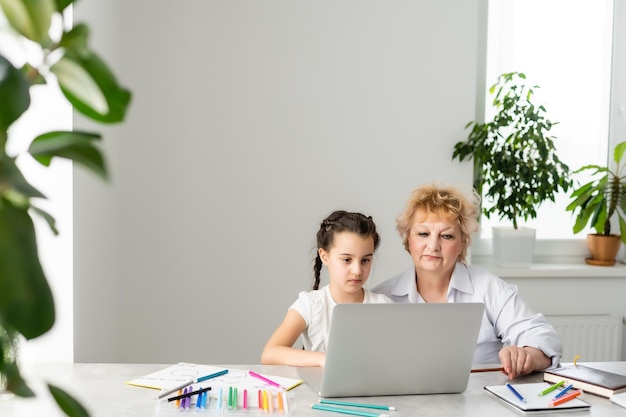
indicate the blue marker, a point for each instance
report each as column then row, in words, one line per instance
column 562, row 393
column 514, row 391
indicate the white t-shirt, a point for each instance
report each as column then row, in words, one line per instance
column 508, row 320
column 316, row 308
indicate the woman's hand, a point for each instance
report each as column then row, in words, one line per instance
column 522, row 360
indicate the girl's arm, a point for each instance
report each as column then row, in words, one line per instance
column 279, row 350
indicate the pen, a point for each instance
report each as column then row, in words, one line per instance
column 562, row 393
column 346, row 411
column 262, row 378
column 565, row 398
column 551, row 388
column 514, row 391
column 193, row 381
column 378, row 407
column 189, row 394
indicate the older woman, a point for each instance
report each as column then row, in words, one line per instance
column 436, row 229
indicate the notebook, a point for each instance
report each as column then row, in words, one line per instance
column 397, row 349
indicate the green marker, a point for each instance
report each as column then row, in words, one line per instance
column 550, row 389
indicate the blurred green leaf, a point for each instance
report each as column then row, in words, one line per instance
column 12, row 180
column 77, row 146
column 77, row 83
column 15, row 382
column 26, row 301
column 30, row 18
column 47, row 217
column 62, row 4
column 76, row 39
column 67, row 403
column 89, row 85
column 14, row 93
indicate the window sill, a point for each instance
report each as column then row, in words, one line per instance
column 554, row 270
column 553, row 258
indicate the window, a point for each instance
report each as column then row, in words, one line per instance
column 564, row 47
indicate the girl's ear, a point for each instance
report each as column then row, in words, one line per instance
column 323, row 256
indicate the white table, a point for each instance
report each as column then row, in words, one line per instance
column 102, row 389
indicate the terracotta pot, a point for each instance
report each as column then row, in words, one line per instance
column 603, row 249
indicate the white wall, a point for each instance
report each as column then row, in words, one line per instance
column 250, row 122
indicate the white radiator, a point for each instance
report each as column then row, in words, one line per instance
column 595, row 337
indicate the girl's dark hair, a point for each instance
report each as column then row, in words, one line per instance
column 341, row 221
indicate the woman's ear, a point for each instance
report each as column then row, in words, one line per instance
column 323, row 256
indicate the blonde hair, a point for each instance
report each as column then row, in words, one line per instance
column 446, row 201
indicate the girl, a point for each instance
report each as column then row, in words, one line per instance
column 345, row 244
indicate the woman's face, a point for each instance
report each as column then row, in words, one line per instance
column 435, row 242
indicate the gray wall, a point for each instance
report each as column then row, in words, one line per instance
column 250, row 122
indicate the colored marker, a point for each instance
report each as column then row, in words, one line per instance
column 514, row 391
column 219, row 399
column 563, row 392
column 346, row 411
column 265, row 406
column 268, row 381
column 349, row 404
column 270, row 402
column 551, row 388
column 566, row 398
column 189, row 394
column 285, row 402
column 245, row 399
column 260, row 400
column 193, row 381
column 279, row 397
column 199, row 399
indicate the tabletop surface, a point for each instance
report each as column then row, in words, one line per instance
column 102, row 389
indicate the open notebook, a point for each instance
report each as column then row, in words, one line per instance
column 398, row 349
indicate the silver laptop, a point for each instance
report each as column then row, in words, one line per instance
column 398, row 349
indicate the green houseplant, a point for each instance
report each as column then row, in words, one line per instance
column 516, row 167
column 600, row 201
column 64, row 59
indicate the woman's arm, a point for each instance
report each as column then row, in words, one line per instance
column 279, row 350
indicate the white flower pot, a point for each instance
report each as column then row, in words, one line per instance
column 513, row 248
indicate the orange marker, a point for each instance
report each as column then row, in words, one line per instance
column 280, row 402
column 180, row 391
column 270, row 402
column 566, row 398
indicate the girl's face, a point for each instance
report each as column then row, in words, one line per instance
column 349, row 261
column 435, row 243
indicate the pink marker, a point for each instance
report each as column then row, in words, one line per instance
column 268, row 381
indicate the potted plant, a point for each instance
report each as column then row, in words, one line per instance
column 600, row 202
column 63, row 59
column 516, row 167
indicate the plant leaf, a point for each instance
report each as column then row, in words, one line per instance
column 14, row 91
column 30, row 18
column 15, row 382
column 47, row 217
column 11, row 178
column 89, row 85
column 77, row 83
column 26, row 301
column 76, row 146
column 67, row 403
column 62, row 4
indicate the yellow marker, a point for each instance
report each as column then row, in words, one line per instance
column 576, row 359
column 265, row 400
column 180, row 391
